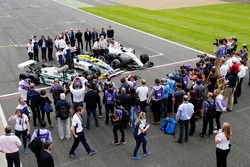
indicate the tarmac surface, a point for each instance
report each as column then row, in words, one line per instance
column 21, row 19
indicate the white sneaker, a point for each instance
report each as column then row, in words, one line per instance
column 215, row 131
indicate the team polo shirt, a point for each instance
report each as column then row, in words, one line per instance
column 77, row 121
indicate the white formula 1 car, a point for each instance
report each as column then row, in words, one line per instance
column 91, row 65
column 122, row 57
column 45, row 74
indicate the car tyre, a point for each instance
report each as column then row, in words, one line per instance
column 34, row 78
column 102, row 58
column 144, row 58
column 116, row 64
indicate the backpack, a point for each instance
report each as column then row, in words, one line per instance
column 158, row 93
column 110, row 97
column 123, row 114
column 36, row 145
column 47, row 107
column 211, row 111
column 168, row 126
column 63, row 111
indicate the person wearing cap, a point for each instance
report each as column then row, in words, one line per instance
column 33, row 97
column 172, row 84
column 63, row 108
column 156, row 96
column 184, row 113
column 77, row 88
column 142, row 92
column 87, row 37
column 22, row 127
column 10, row 145
column 91, row 99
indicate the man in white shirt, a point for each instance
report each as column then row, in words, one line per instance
column 29, row 48
column 142, row 92
column 10, row 144
column 241, row 76
column 78, row 134
column 61, row 43
column 77, row 89
column 224, row 68
column 96, row 48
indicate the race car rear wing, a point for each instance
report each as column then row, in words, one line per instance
column 26, row 64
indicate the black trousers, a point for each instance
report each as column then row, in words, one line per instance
column 184, row 125
column 143, row 105
column 80, row 44
column 118, row 126
column 156, row 108
column 88, row 43
column 13, row 158
column 24, row 136
column 210, row 121
column 80, row 138
column 73, row 43
column 36, row 114
column 30, row 55
column 50, row 53
column 109, row 109
column 192, row 124
column 47, row 114
column 36, row 55
column 170, row 104
column 221, row 157
column 43, row 50
column 217, row 119
column 238, row 88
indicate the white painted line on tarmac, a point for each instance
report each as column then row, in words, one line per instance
column 10, row 95
column 3, row 118
column 131, row 28
column 163, row 65
column 157, row 55
column 12, row 42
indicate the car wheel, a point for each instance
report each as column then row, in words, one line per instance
column 144, row 58
column 34, row 78
column 102, row 58
column 116, row 64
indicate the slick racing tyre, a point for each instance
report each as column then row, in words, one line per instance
column 144, row 58
column 116, row 64
column 34, row 78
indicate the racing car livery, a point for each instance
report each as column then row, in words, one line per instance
column 91, row 65
column 121, row 57
column 45, row 74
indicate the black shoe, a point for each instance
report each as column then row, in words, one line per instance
column 178, row 141
column 86, row 127
column 186, row 140
column 201, row 135
column 191, row 133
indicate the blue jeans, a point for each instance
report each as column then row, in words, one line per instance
column 93, row 111
column 24, row 136
column 140, row 139
column 184, row 126
column 133, row 114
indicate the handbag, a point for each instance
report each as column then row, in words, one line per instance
column 47, row 107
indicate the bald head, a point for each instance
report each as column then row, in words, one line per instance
column 185, row 97
column 143, row 82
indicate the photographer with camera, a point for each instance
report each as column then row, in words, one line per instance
column 119, row 119
column 77, row 89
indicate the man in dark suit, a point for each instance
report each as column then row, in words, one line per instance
column 50, row 48
column 46, row 159
column 94, row 35
column 72, row 37
column 87, row 37
column 79, row 39
column 110, row 33
column 42, row 43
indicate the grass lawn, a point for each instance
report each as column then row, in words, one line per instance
column 196, row 27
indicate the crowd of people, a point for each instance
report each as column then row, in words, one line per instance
column 65, row 42
column 191, row 94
